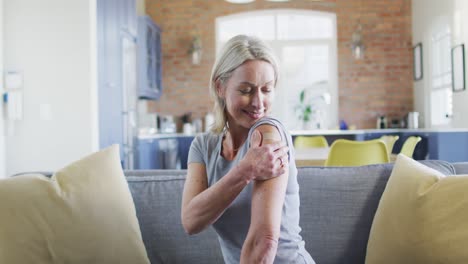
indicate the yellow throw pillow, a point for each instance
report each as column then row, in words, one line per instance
column 422, row 217
column 83, row 214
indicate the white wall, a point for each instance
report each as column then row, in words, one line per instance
column 424, row 14
column 53, row 43
column 2, row 136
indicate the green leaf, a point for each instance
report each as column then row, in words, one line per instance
column 301, row 96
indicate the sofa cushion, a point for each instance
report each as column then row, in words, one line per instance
column 83, row 214
column 421, row 217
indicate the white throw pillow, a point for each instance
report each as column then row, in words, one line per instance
column 83, row 214
column 422, row 217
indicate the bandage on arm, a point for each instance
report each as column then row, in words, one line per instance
column 271, row 136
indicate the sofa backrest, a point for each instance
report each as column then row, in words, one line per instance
column 338, row 205
column 157, row 195
column 337, row 209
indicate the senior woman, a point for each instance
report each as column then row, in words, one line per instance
column 241, row 175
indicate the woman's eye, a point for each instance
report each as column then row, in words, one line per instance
column 267, row 90
column 245, row 91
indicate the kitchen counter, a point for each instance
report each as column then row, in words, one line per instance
column 449, row 144
column 164, row 135
column 365, row 131
column 324, row 132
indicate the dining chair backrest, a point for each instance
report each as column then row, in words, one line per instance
column 310, row 142
column 389, row 141
column 410, row 144
column 345, row 152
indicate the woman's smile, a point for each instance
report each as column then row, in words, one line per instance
column 254, row 115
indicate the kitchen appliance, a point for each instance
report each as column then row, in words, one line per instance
column 129, row 110
column 197, row 125
column 209, row 121
column 147, row 123
column 382, row 122
column 413, row 120
column 168, row 124
column 169, row 154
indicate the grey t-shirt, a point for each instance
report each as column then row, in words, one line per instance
column 233, row 224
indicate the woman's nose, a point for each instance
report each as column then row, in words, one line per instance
column 257, row 100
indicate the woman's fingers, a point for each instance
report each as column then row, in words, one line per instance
column 281, row 152
column 269, row 161
column 284, row 160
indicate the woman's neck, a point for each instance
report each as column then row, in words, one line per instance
column 233, row 140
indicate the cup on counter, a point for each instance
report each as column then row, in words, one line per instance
column 168, row 125
column 413, row 120
column 187, row 129
column 209, row 121
column 197, row 125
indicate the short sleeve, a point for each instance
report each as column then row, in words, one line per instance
column 196, row 151
column 272, row 122
column 285, row 136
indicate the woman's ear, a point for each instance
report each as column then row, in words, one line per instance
column 220, row 88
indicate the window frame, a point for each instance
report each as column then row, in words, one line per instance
column 276, row 42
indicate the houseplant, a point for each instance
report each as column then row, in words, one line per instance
column 304, row 110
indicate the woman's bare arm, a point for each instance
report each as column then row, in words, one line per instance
column 261, row 243
column 202, row 206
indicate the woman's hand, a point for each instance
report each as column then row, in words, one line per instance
column 263, row 162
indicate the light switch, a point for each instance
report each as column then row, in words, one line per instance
column 13, row 80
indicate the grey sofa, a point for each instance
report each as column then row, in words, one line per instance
column 337, row 209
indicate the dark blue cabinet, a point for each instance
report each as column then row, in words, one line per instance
column 148, row 154
column 163, row 152
column 448, row 146
column 149, row 59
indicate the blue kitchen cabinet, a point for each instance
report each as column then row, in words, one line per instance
column 149, row 59
column 448, row 146
column 148, row 154
column 163, row 152
column 114, row 24
column 373, row 135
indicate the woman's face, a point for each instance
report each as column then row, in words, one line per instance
column 248, row 93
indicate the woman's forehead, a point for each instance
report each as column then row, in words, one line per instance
column 254, row 71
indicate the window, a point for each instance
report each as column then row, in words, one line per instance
column 441, row 92
column 305, row 44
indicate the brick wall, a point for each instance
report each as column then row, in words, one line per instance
column 381, row 83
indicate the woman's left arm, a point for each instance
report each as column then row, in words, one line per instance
column 261, row 243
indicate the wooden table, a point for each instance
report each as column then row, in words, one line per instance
column 311, row 156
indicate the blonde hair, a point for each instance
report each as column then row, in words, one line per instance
column 235, row 52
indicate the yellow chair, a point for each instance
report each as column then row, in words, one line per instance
column 345, row 152
column 389, row 142
column 302, row 142
column 410, row 144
